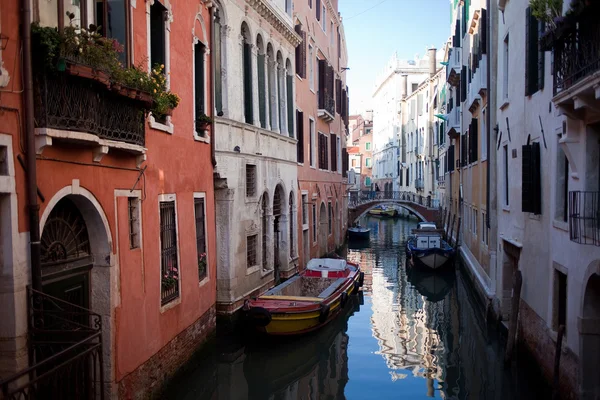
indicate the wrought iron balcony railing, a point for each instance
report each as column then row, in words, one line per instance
column 65, row 344
column 577, row 49
column 78, row 104
column 327, row 104
column 584, row 217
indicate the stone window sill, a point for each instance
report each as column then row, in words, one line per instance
column 204, row 138
column 252, row 270
column 167, row 128
column 171, row 304
column 562, row 225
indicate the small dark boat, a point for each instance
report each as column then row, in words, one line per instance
column 358, row 232
column 427, row 247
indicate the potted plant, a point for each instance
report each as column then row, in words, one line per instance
column 202, row 122
column 547, row 11
column 170, row 279
column 202, row 264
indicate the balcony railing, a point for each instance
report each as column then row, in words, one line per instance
column 577, row 49
column 326, row 108
column 65, row 350
column 72, row 103
column 584, row 217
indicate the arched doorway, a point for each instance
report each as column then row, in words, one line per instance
column 278, row 230
column 265, row 230
column 590, row 339
column 322, row 230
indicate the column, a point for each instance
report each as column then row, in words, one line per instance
column 284, row 72
column 255, row 104
column 267, row 91
column 274, row 97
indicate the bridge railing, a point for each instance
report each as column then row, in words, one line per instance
column 358, row 198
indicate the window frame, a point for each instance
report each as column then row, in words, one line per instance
column 200, row 136
column 169, row 198
column 202, row 196
column 311, row 67
column 315, row 232
column 313, row 142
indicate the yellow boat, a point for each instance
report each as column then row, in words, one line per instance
column 307, row 301
column 382, row 211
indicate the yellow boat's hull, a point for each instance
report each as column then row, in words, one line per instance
column 383, row 213
column 303, row 322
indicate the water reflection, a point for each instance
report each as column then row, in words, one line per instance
column 417, row 335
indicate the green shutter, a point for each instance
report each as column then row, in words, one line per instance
column 526, row 179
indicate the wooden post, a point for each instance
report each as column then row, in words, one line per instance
column 457, row 233
column 559, row 339
column 514, row 315
column 452, row 229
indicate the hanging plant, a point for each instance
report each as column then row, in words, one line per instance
column 548, row 11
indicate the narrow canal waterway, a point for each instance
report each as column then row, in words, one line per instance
column 410, row 335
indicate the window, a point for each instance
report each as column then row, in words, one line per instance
column 292, row 227
column 304, row 209
column 318, row 9
column 559, row 304
column 288, row 7
column 168, row 253
column 367, row 181
column 300, row 136
column 531, row 193
column 368, row 146
column 251, row 242
column 157, row 33
column 247, row 74
column 330, row 218
column 339, row 43
column 338, row 156
column 314, row 223
column 331, row 35
column 474, row 222
column 265, row 227
column 506, row 198
column 505, row 69
column 562, row 187
column 301, row 53
column 250, row 180
column 368, row 163
column 311, row 67
column 483, row 137
column 113, row 19
column 218, row 88
column 414, row 88
column 199, row 213
column 311, row 124
column 133, row 206
column 473, row 135
column 324, row 19
column 333, row 151
column 354, row 162
column 289, row 81
column 534, row 56
column 262, row 81
column 323, row 155
column 310, row 3
column 199, row 87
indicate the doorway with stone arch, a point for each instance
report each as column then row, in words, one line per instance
column 323, row 227
column 589, row 336
column 279, row 231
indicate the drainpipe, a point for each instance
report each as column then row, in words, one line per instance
column 213, row 158
column 31, row 173
column 487, row 115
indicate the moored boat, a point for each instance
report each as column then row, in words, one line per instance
column 383, row 211
column 308, row 300
column 427, row 247
column 358, row 232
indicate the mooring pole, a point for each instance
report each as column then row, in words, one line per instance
column 452, row 229
column 514, row 316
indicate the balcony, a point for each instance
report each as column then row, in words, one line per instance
column 584, row 217
column 478, row 84
column 86, row 111
column 419, row 184
column 454, row 66
column 65, row 345
column 326, row 109
column 453, row 125
column 419, row 150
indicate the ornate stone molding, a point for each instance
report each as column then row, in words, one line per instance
column 268, row 12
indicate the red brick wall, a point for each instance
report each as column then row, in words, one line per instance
column 147, row 380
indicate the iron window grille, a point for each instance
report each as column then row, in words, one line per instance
column 291, row 219
column 134, row 223
column 200, row 238
column 251, row 250
column 264, row 233
column 168, row 253
column 584, row 217
column 250, row 180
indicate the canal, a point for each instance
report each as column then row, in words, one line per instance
column 409, row 335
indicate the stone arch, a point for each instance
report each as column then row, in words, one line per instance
column 322, row 229
column 201, row 36
column 375, row 204
column 100, row 276
column 247, row 78
column 281, row 107
column 589, row 333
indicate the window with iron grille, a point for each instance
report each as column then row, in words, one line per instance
column 304, row 209
column 330, row 218
column 200, row 238
column 265, row 221
column 292, row 228
column 323, row 155
column 250, row 180
column 199, row 87
column 133, row 204
column 168, row 253
column 251, row 242
column 300, row 136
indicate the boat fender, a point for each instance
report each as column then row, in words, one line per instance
column 344, row 299
column 361, row 279
column 260, row 316
column 356, row 287
column 324, row 313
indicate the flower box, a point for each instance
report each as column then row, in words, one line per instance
column 82, row 71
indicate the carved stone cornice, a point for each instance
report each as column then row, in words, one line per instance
column 267, row 11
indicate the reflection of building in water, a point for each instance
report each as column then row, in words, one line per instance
column 412, row 340
column 366, row 260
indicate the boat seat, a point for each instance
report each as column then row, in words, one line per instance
column 279, row 288
column 332, row 288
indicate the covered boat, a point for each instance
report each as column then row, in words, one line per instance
column 427, row 247
column 358, row 232
column 307, row 301
column 383, row 211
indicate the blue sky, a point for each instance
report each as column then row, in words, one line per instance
column 375, row 29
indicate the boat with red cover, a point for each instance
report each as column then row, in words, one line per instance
column 307, row 301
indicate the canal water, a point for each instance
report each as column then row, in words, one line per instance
column 409, row 335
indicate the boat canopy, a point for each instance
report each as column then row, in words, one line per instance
column 326, row 264
column 426, row 225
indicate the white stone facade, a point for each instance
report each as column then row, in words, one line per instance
column 256, row 161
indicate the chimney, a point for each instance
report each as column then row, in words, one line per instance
column 403, row 86
column 432, row 61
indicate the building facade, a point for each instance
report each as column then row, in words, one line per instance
column 122, row 232
column 322, row 115
column 365, row 148
column 255, row 145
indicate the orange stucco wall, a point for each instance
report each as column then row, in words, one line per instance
column 176, row 164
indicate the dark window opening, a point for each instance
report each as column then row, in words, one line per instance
column 199, row 87
column 157, row 34
column 200, row 239
column 168, row 253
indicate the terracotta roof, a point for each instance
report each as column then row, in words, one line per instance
column 353, row 150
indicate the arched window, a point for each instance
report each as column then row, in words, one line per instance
column 280, row 94
column 218, row 63
column 247, row 74
column 330, row 220
column 290, row 96
column 272, row 80
column 265, row 226
column 262, row 84
column 292, row 226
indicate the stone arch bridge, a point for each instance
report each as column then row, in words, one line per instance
column 424, row 208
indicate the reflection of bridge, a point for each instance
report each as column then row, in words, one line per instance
column 424, row 208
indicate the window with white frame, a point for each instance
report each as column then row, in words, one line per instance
column 251, row 243
column 200, row 117
column 305, row 209
column 169, row 262
column 324, row 19
column 200, row 219
column 314, row 223
column 158, row 33
column 313, row 155
column 311, row 67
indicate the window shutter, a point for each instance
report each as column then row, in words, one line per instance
column 333, row 150
column 199, row 81
column 473, row 132
column 450, row 158
column 541, row 56
column 526, row 179
column 300, row 136
column 455, row 38
column 344, row 162
column 536, row 189
column 301, row 53
column 322, row 82
column 531, row 53
column 338, row 96
column 483, row 31
column 318, row 3
column 339, row 43
column 248, row 83
column 463, row 84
